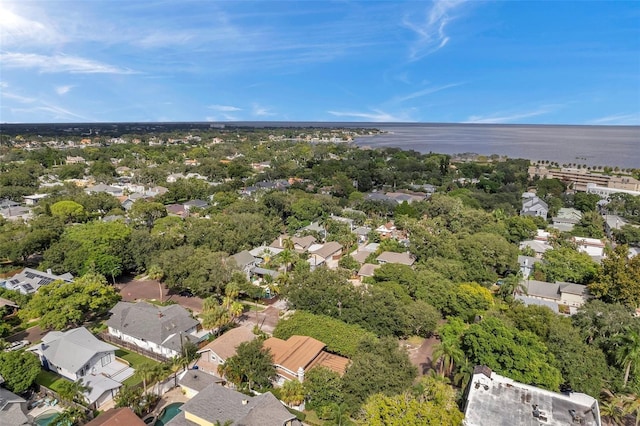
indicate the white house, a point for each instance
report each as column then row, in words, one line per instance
column 78, row 355
column 533, row 206
column 30, row 280
column 159, row 329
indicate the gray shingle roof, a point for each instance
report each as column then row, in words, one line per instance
column 71, row 349
column 198, row 380
column 543, row 289
column 217, row 403
column 243, row 259
column 158, row 324
column 11, row 409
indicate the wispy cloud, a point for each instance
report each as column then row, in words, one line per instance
column 63, row 90
column 59, row 63
column 16, row 97
column 424, row 92
column 18, row 30
column 262, row 111
column 224, row 108
column 375, row 115
column 431, row 35
column 618, row 119
column 509, row 117
column 54, row 112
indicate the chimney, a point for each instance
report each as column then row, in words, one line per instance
column 245, row 401
column 49, row 271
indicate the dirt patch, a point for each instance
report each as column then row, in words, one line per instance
column 420, row 352
column 266, row 320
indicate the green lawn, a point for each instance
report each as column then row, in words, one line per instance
column 49, row 380
column 135, row 360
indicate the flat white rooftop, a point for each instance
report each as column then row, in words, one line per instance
column 499, row 401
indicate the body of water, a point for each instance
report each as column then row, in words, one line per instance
column 590, row 145
column 168, row 413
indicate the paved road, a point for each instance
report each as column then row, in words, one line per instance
column 32, row 334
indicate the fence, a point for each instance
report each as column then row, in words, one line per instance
column 129, row 346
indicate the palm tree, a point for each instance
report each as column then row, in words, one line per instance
column 510, row 286
column 286, row 257
column 292, row 393
column 631, row 405
column 72, row 391
column 447, row 354
column 70, row 416
column 174, row 365
column 214, row 318
column 463, row 374
column 628, row 351
column 235, row 310
column 610, row 411
column 146, row 373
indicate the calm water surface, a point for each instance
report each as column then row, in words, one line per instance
column 591, row 145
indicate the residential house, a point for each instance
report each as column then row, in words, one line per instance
column 195, row 204
column 300, row 244
column 32, row 200
column 177, row 210
column 108, row 189
column 533, row 206
column 264, row 254
column 298, row 354
column 613, row 222
column 16, row 213
column 160, row 329
column 491, row 399
column 367, row 270
column 591, row 246
column 526, row 265
column 559, row 296
column 539, row 247
column 216, row 404
column 10, row 306
column 78, row 355
column 117, row 417
column 400, row 258
column 362, row 232
column 12, row 409
column 325, row 254
column 75, row 160
column 193, row 381
column 30, row 280
column 566, row 219
column 387, row 230
column 174, row 177
column 224, row 347
column 6, row 203
column 245, row 262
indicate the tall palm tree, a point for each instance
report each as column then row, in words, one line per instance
column 631, row 405
column 235, row 310
column 447, row 354
column 611, row 413
column 464, row 372
column 72, row 391
column 146, row 373
column 286, row 257
column 628, row 351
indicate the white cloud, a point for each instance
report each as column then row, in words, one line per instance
column 59, row 63
column 376, row 115
column 618, row 119
column 425, row 92
column 261, row 111
column 63, row 90
column 224, row 108
column 18, row 30
column 431, row 35
column 15, row 97
column 53, row 112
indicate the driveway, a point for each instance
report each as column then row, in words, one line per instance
column 420, row 356
column 32, row 334
column 266, row 320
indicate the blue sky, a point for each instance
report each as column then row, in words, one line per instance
column 454, row 61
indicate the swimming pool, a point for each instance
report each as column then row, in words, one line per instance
column 168, row 412
column 45, row 418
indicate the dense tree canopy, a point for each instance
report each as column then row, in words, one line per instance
column 19, row 370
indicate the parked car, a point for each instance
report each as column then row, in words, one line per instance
column 186, row 293
column 17, row 345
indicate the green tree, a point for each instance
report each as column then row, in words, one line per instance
column 252, row 365
column 292, row 393
column 72, row 391
column 590, row 225
column 519, row 355
column 567, row 264
column 585, row 202
column 432, row 402
column 619, row 279
column 146, row 212
column 468, row 300
column 68, row 211
column 340, row 337
column 19, row 370
column 60, row 305
column 627, row 234
column 322, row 387
column 447, row 354
column 627, row 354
column 378, row 367
column 71, row 416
